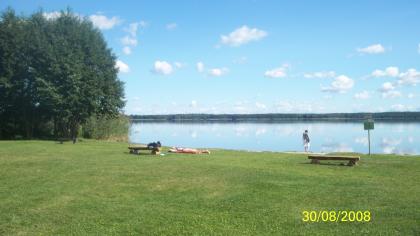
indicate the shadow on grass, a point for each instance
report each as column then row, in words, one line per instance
column 141, row 154
column 327, row 164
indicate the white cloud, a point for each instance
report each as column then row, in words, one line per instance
column 129, row 41
column 200, row 66
column 132, row 29
column 279, row 72
column 362, row 140
column 122, row 67
column 217, row 71
column 372, row 49
column 260, row 105
column 143, row 24
column 103, row 22
column 296, row 106
column 171, row 26
column 55, row 14
column 390, row 145
column 240, row 60
column 401, row 107
column 340, row 84
column 51, row 15
column 321, row 74
column 336, row 147
column 241, row 130
column 411, row 95
column 410, row 77
column 387, row 86
column 127, row 50
column 391, row 94
column 178, row 64
column 378, row 73
column 410, row 139
column 242, row 35
column 362, row 95
column 193, row 103
column 388, row 90
column 193, row 134
column 260, row 131
column 163, row 68
column 391, row 71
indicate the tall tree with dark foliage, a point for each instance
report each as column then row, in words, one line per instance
column 54, row 75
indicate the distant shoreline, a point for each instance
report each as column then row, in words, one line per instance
column 280, row 117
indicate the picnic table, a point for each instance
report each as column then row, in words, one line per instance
column 137, row 148
column 315, row 159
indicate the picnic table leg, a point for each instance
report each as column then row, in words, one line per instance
column 156, row 151
column 351, row 163
column 315, row 161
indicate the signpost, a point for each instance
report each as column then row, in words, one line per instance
column 368, row 125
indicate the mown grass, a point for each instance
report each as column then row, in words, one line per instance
column 97, row 188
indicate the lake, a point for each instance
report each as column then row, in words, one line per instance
column 387, row 137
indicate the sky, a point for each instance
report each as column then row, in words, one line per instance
column 255, row 56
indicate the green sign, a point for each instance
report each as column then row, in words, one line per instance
column 369, row 125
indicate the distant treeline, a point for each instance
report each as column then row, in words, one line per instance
column 278, row 117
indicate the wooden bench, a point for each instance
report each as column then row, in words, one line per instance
column 137, row 149
column 352, row 159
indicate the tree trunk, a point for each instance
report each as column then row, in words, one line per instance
column 74, row 129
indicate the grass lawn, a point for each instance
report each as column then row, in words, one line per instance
column 98, row 188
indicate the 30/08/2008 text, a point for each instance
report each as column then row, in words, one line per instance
column 336, row 216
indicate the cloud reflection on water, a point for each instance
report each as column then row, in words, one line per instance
column 325, row 136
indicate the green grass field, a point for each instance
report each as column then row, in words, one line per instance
column 98, row 188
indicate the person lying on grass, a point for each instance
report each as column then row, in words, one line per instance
column 188, row 150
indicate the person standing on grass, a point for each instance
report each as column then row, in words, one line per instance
column 306, row 141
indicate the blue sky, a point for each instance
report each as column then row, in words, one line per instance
column 258, row 56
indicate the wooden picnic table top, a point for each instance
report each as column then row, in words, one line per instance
column 142, row 147
column 333, row 157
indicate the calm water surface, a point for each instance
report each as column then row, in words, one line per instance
column 400, row 138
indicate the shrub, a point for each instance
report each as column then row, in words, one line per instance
column 107, row 128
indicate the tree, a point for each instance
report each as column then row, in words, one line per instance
column 57, row 71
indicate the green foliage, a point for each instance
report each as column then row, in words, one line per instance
column 97, row 188
column 54, row 70
column 106, row 127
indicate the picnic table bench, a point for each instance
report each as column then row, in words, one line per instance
column 352, row 159
column 136, row 149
